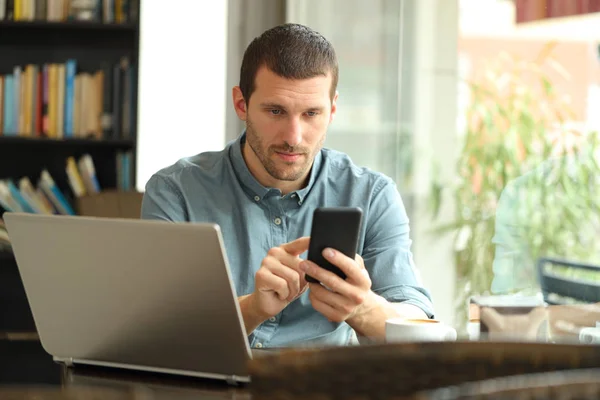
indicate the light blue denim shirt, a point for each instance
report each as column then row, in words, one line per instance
column 217, row 187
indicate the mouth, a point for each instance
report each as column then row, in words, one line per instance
column 288, row 157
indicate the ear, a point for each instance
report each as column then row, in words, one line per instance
column 239, row 104
column 333, row 107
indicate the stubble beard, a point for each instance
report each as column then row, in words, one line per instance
column 279, row 169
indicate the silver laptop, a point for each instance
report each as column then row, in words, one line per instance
column 137, row 294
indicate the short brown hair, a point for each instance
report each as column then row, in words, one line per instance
column 292, row 51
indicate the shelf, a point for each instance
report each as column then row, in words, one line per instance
column 35, row 141
column 66, row 25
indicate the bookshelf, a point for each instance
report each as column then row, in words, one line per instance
column 22, row 156
column 106, row 45
column 77, row 95
column 16, row 26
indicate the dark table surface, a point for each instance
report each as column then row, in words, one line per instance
column 28, row 372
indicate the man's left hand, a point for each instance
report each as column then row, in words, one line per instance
column 338, row 299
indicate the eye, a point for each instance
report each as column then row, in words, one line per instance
column 275, row 111
column 312, row 113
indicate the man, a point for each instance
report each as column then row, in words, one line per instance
column 262, row 190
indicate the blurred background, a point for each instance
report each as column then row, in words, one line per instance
column 457, row 101
column 484, row 112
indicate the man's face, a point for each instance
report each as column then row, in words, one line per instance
column 286, row 122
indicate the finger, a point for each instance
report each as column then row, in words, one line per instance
column 326, row 310
column 289, row 261
column 339, row 302
column 348, row 266
column 333, row 282
column 266, row 281
column 291, row 276
column 302, row 290
column 359, row 261
column 297, row 246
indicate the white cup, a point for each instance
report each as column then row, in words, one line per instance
column 590, row 335
column 417, row 330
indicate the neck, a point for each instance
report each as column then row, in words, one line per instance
column 264, row 178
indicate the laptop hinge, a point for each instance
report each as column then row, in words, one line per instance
column 67, row 361
column 230, row 379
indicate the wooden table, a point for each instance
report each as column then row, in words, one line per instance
column 28, row 372
column 377, row 372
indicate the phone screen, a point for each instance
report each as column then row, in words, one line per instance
column 337, row 228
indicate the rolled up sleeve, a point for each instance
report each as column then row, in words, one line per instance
column 387, row 251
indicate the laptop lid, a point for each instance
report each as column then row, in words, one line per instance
column 133, row 293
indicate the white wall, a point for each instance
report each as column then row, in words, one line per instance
column 247, row 19
column 182, row 78
column 435, row 138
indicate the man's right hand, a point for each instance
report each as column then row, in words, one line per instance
column 278, row 282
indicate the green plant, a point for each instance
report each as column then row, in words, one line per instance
column 523, row 178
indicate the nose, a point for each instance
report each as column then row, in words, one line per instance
column 293, row 132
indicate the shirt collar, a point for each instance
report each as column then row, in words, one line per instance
column 252, row 186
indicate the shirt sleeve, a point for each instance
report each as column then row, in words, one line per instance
column 163, row 201
column 387, row 254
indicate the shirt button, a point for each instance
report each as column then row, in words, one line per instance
column 294, row 196
column 277, row 221
column 272, row 319
column 300, row 203
column 256, row 198
column 259, row 345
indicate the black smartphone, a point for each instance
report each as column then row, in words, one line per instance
column 337, row 228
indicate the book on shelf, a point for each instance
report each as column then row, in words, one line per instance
column 104, row 11
column 56, row 100
column 4, row 240
column 2, row 105
column 125, row 176
column 5, row 246
column 45, row 197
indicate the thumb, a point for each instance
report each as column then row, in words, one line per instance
column 297, row 246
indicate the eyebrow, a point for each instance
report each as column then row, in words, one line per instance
column 271, row 105
column 275, row 105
